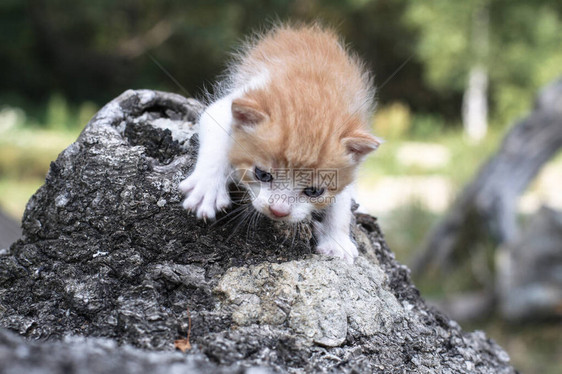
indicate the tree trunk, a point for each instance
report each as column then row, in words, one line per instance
column 475, row 99
column 486, row 209
column 475, row 105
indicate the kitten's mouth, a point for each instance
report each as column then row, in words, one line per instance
column 290, row 218
column 282, row 219
column 269, row 214
column 278, row 214
column 287, row 218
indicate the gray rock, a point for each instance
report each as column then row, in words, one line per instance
column 109, row 264
column 81, row 355
column 322, row 301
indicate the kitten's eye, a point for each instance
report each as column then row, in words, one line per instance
column 263, row 175
column 313, row 191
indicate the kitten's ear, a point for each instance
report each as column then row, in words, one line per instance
column 360, row 144
column 246, row 112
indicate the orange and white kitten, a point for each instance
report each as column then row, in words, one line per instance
column 291, row 125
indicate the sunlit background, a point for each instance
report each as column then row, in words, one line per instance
column 453, row 77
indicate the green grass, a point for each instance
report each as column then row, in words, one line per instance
column 405, row 227
column 465, row 160
column 25, row 156
column 14, row 194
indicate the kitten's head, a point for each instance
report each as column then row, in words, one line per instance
column 295, row 164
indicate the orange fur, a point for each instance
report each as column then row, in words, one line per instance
column 313, row 110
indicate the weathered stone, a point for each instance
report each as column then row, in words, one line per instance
column 322, row 301
column 75, row 354
column 108, row 253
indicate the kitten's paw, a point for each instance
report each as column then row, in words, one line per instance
column 205, row 195
column 339, row 246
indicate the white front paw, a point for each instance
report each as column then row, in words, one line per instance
column 205, row 195
column 339, row 246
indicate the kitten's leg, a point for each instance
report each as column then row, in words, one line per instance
column 206, row 188
column 333, row 233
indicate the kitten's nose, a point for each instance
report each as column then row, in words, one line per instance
column 279, row 211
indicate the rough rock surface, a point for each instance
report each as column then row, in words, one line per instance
column 107, row 253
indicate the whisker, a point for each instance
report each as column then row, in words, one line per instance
column 254, row 223
column 259, row 216
column 287, row 234
column 249, row 225
column 232, row 215
column 247, row 213
column 295, row 228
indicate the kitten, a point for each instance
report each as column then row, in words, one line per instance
column 291, row 125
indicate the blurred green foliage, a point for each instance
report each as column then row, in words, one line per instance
column 392, row 121
column 90, row 51
column 66, row 52
column 521, row 52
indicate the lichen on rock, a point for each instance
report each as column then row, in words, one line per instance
column 322, row 301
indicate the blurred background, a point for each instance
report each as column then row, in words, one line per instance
column 453, row 79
